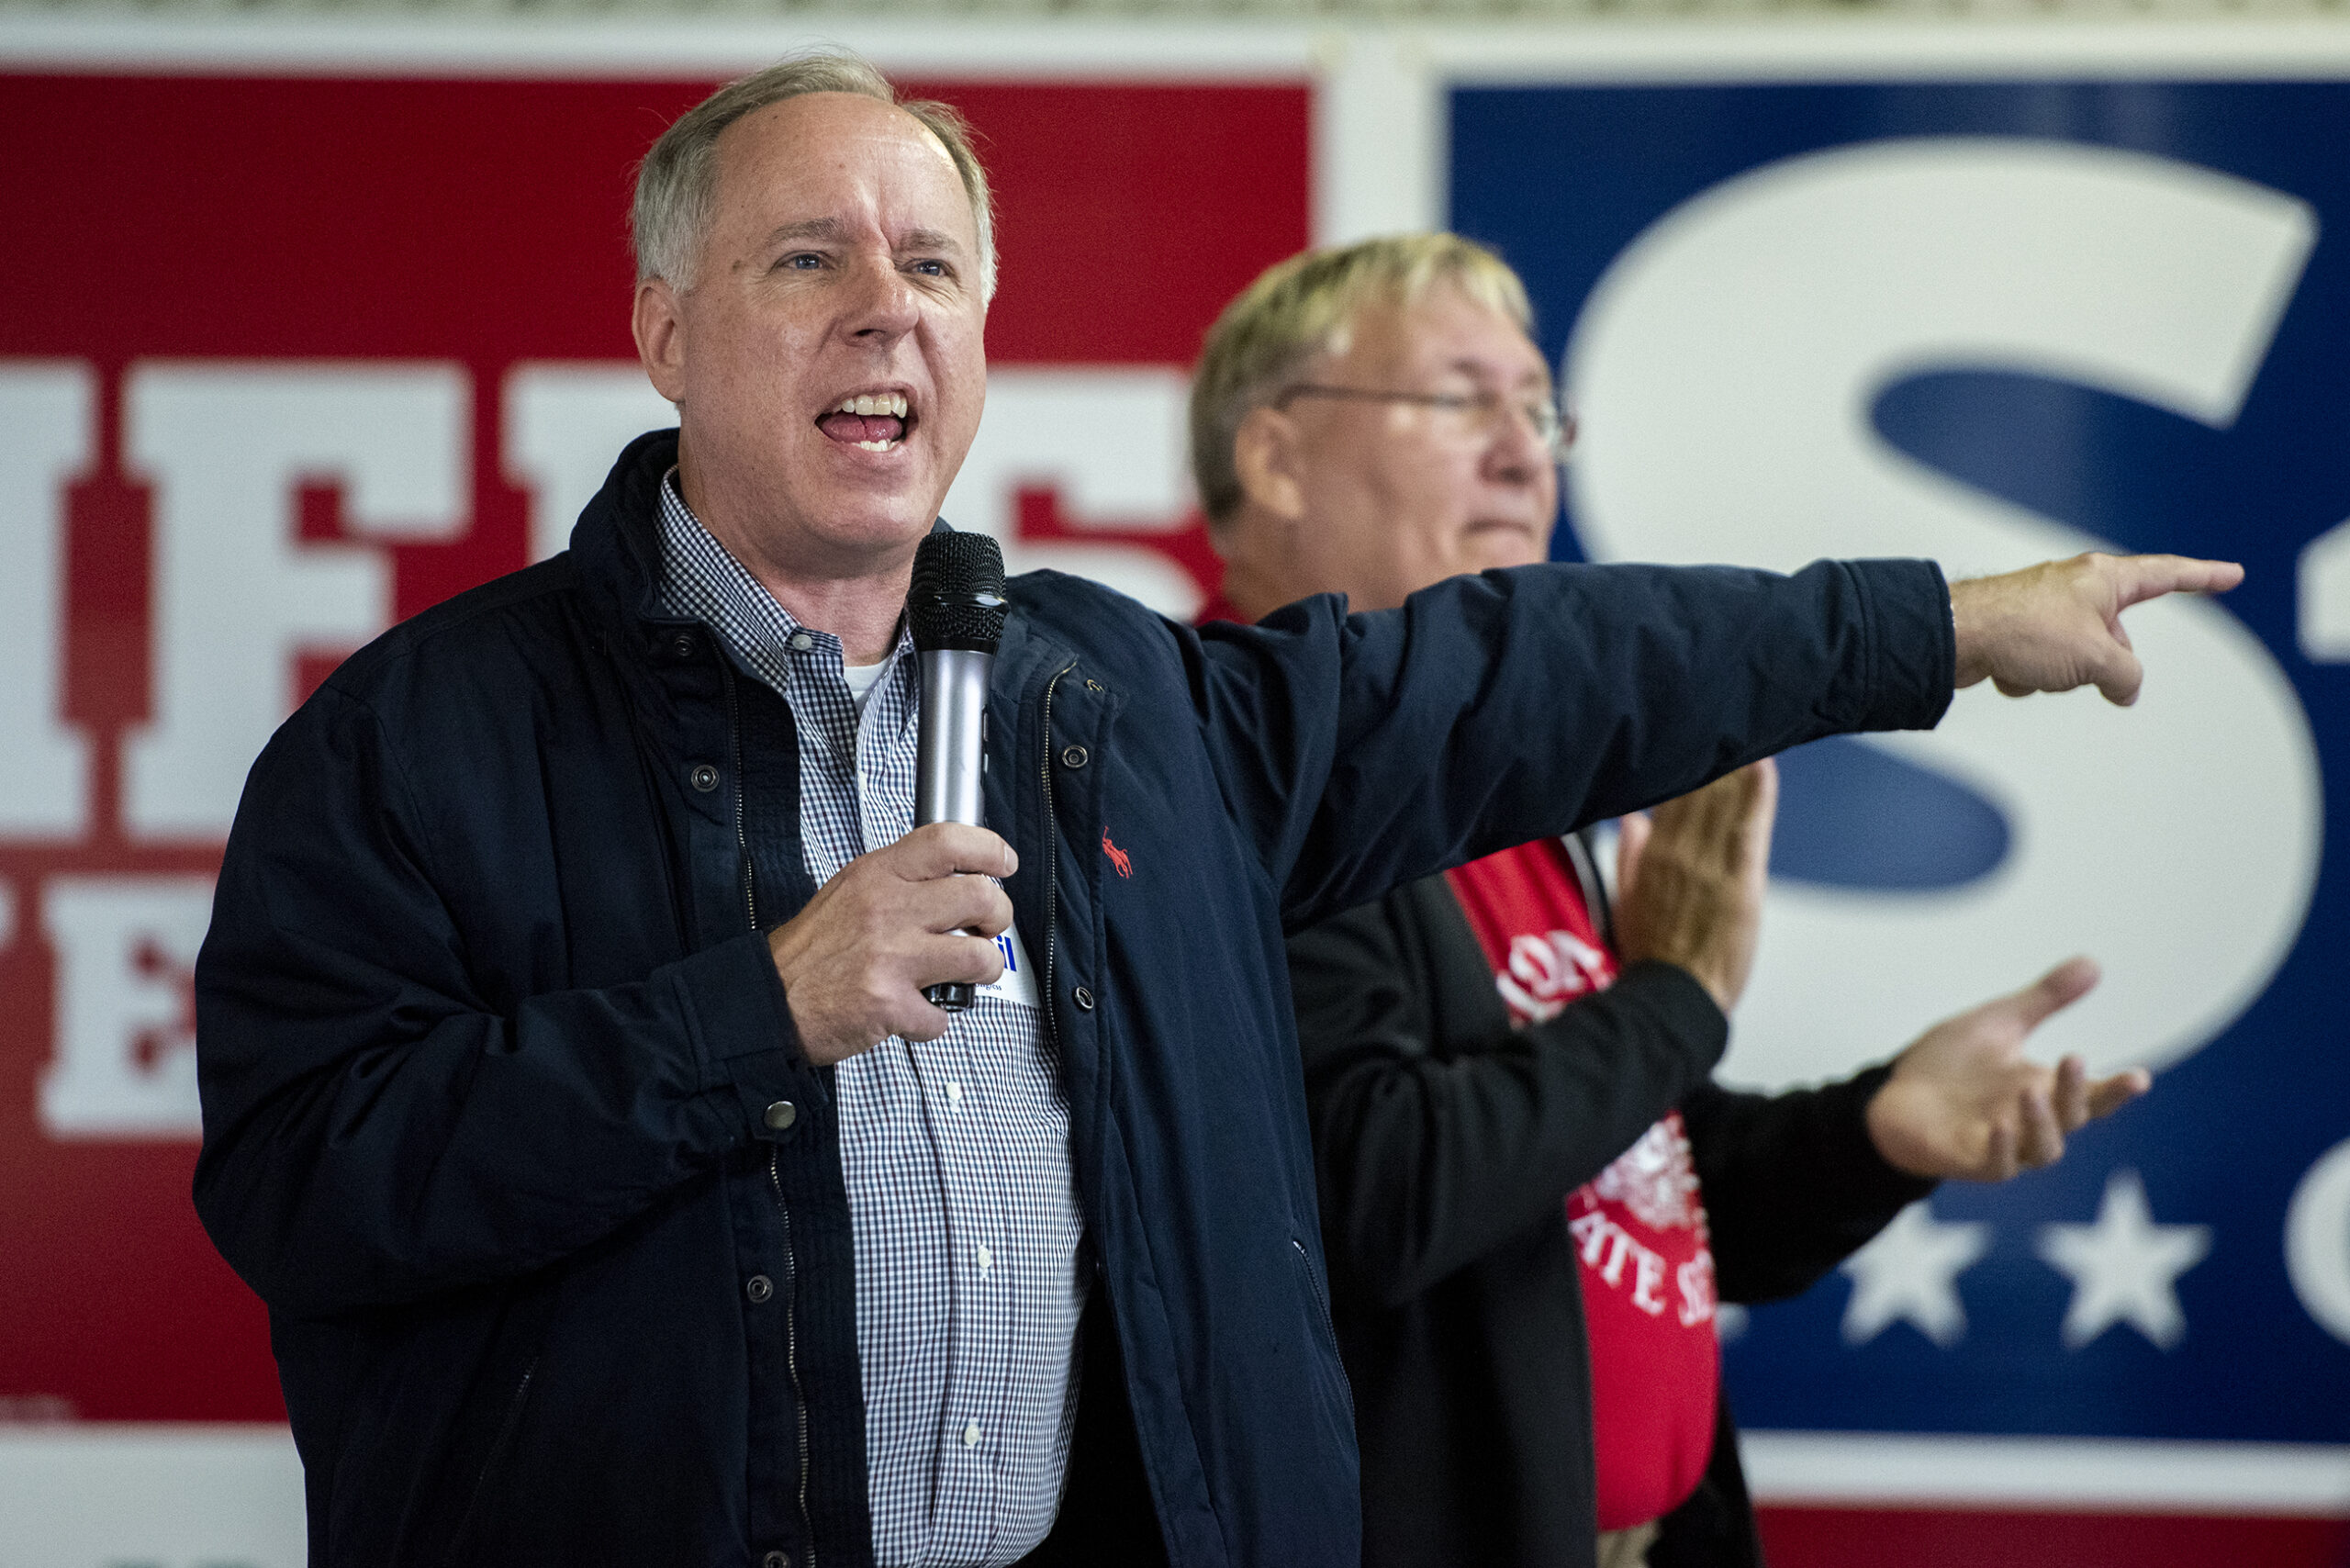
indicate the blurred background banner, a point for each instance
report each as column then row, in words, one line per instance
column 316, row 321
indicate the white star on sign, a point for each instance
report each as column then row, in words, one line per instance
column 2125, row 1268
column 1911, row 1272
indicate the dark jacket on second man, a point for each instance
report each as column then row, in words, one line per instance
column 1445, row 1142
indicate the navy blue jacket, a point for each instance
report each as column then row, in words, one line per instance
column 486, row 1023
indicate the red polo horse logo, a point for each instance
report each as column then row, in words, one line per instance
column 1118, row 858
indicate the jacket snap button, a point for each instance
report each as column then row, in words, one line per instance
column 1083, row 998
column 758, row 1287
column 681, row 646
column 775, row 1560
column 781, row 1114
column 704, row 777
column 1073, row 758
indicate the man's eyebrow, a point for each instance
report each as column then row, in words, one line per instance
column 930, row 239
column 1475, row 370
column 831, row 228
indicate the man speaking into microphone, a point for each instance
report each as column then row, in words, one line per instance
column 571, row 1094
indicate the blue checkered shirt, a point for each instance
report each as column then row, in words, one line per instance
column 955, row 1153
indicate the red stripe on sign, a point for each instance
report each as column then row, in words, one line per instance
column 1957, row 1538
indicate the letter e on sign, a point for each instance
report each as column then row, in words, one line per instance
column 125, row 1062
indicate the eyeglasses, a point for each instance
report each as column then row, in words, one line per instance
column 1471, row 414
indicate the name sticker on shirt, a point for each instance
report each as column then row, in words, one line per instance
column 1019, row 982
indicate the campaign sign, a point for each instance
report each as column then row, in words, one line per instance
column 1991, row 323
column 290, row 358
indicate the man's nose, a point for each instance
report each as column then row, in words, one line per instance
column 1517, row 452
column 885, row 306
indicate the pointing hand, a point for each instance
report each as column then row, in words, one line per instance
column 2058, row 625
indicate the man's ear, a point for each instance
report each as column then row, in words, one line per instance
column 1266, row 456
column 660, row 336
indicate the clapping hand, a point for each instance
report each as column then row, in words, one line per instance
column 1689, row 883
column 1964, row 1101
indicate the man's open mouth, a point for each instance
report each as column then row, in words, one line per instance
column 876, row 422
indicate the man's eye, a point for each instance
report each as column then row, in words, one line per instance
column 804, row 261
column 931, row 268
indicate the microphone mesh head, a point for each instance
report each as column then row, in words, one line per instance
column 957, row 599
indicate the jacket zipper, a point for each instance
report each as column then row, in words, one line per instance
column 791, row 1351
column 1314, row 1283
column 775, row 1176
column 1052, row 854
column 496, row 1447
column 1305, row 1261
column 742, row 833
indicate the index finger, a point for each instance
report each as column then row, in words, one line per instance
column 2140, row 577
column 947, row 849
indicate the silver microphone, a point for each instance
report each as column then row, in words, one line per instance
column 954, row 610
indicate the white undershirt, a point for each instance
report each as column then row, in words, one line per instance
column 861, row 679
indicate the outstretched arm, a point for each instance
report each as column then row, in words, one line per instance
column 2058, row 625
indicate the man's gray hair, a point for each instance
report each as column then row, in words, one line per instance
column 677, row 183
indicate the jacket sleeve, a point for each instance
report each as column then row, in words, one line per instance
column 375, row 1129
column 1425, row 1161
column 1364, row 751
column 1792, row 1183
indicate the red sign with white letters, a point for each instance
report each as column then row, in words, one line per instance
column 294, row 358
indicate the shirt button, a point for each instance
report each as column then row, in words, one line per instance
column 1073, row 758
column 781, row 1114
column 970, row 1433
column 987, row 1260
column 1083, row 998
column 704, row 777
column 800, row 642
column 758, row 1287
column 955, row 1095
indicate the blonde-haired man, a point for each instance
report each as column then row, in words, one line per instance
column 1517, row 1144
column 1431, row 330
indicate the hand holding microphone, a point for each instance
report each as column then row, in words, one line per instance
column 865, row 959
column 858, row 961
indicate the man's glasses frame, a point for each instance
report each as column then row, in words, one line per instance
column 1554, row 426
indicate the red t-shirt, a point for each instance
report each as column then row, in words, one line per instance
column 1639, row 1226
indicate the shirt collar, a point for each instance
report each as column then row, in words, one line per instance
column 701, row 577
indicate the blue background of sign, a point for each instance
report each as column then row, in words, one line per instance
column 1560, row 179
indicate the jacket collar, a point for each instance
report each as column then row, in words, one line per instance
column 617, row 541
